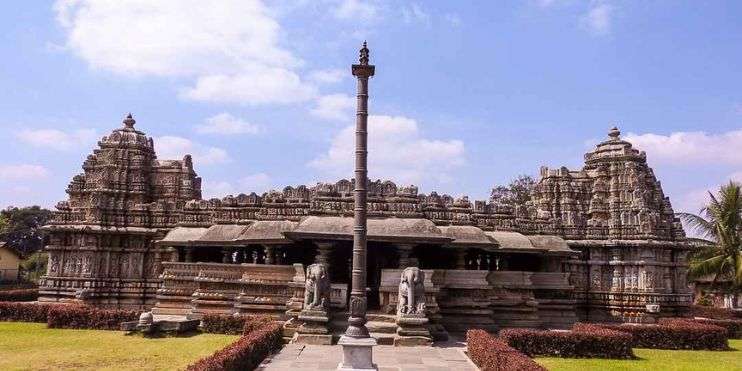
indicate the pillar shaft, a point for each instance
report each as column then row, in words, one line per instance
column 269, row 255
column 189, row 254
column 358, row 302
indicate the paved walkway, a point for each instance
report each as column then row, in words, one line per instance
column 443, row 356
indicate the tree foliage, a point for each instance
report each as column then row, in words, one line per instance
column 720, row 224
column 20, row 228
column 518, row 192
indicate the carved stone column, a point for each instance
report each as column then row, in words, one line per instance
column 357, row 343
column 270, row 257
column 405, row 256
column 226, row 255
column 189, row 254
column 461, row 259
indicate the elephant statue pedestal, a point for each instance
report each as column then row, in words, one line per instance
column 314, row 316
column 412, row 330
column 412, row 320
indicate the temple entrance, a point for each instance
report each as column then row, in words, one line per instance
column 379, row 256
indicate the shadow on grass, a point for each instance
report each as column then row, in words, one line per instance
column 164, row 335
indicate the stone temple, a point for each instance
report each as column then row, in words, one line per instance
column 597, row 244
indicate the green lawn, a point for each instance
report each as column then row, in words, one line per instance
column 31, row 346
column 653, row 359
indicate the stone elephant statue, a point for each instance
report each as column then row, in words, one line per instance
column 411, row 298
column 316, row 288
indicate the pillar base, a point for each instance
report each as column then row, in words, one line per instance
column 357, row 354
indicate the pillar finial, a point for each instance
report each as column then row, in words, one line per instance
column 364, row 54
column 614, row 133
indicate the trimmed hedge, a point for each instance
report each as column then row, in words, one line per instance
column 231, row 324
column 733, row 326
column 673, row 334
column 492, row 354
column 19, row 295
column 24, row 312
column 246, row 353
column 585, row 341
column 83, row 317
column 714, row 313
column 223, row 324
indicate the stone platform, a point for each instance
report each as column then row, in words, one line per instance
column 442, row 356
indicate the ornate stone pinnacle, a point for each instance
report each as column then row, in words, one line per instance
column 614, row 133
column 129, row 121
column 364, row 54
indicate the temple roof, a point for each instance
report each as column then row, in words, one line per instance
column 466, row 235
column 267, row 232
column 182, row 236
column 222, row 233
column 514, row 241
column 554, row 244
column 380, row 230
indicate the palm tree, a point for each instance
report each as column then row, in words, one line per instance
column 720, row 228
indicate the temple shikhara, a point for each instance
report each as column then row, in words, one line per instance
column 596, row 244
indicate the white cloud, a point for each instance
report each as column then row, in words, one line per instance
column 598, row 18
column 217, row 189
column 329, row 76
column 22, row 172
column 57, row 139
column 337, row 107
column 172, row 148
column 695, row 147
column 396, row 151
column 229, row 49
column 261, row 86
column 355, row 9
column 226, row 124
column 415, row 13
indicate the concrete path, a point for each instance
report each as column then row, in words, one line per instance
column 443, row 356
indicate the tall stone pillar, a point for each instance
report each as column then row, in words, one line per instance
column 405, row 256
column 357, row 344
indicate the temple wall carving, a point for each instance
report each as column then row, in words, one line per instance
column 632, row 249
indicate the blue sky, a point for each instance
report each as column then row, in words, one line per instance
column 467, row 94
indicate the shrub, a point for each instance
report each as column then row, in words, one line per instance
column 714, row 313
column 733, row 326
column 24, row 312
column 84, row 317
column 19, row 295
column 674, row 334
column 492, row 354
column 233, row 325
column 586, row 341
column 223, row 324
column 255, row 322
column 244, row 354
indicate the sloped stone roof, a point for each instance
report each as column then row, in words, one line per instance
column 382, row 230
column 466, row 235
column 266, row 231
column 223, row 233
column 513, row 241
column 182, row 236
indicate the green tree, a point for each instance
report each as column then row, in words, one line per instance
column 20, row 228
column 518, row 192
column 720, row 226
